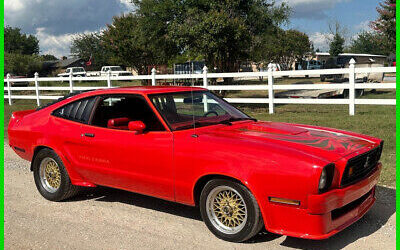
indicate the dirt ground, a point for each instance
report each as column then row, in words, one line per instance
column 105, row 218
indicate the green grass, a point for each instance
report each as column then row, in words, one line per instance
column 378, row 121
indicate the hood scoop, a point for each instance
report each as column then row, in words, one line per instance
column 275, row 128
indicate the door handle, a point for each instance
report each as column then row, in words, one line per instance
column 89, row 135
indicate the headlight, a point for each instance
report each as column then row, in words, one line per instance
column 325, row 180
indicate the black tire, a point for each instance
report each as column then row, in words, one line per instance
column 65, row 189
column 359, row 92
column 254, row 222
column 323, row 79
column 346, row 94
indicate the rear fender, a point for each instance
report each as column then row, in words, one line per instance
column 75, row 178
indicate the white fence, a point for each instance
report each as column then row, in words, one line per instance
column 269, row 88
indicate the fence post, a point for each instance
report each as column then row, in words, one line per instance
column 352, row 95
column 153, row 76
column 205, row 80
column 109, row 79
column 9, row 89
column 37, row 88
column 174, row 74
column 270, row 89
column 71, row 84
column 205, row 85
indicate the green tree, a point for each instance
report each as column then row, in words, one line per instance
column 138, row 41
column 337, row 34
column 284, row 47
column 337, row 45
column 368, row 43
column 20, row 64
column 225, row 32
column 385, row 25
column 48, row 57
column 91, row 45
column 220, row 32
column 17, row 42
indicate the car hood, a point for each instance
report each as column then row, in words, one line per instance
column 320, row 142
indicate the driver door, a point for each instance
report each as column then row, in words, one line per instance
column 117, row 157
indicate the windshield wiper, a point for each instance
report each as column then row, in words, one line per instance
column 205, row 123
column 243, row 119
column 193, row 124
column 233, row 119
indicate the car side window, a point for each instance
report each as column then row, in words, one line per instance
column 67, row 71
column 78, row 111
column 116, row 111
column 179, row 108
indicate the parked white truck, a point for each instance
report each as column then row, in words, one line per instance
column 115, row 71
column 76, row 72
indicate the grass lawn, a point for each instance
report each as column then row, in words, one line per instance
column 379, row 121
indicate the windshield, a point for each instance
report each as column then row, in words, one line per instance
column 185, row 110
column 78, row 70
column 116, row 68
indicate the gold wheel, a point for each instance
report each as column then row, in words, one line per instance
column 50, row 175
column 226, row 209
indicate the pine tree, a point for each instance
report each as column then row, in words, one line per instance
column 337, row 45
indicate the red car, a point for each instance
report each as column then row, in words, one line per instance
column 185, row 144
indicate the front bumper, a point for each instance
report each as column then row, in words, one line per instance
column 326, row 214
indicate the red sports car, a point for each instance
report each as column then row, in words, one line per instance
column 185, row 144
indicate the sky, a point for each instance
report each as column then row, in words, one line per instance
column 56, row 22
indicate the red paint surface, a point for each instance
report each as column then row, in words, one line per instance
column 272, row 159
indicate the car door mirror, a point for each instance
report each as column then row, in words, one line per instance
column 137, row 126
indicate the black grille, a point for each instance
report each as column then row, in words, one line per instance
column 337, row 213
column 361, row 166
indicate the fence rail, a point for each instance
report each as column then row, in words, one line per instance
column 270, row 87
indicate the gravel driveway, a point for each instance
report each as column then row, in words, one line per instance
column 105, row 218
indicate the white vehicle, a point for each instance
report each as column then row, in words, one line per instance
column 76, row 72
column 115, row 71
column 275, row 67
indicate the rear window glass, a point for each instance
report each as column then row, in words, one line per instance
column 76, row 111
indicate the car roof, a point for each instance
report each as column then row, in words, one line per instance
column 141, row 90
column 146, row 90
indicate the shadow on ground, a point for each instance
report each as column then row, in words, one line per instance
column 105, row 194
column 377, row 217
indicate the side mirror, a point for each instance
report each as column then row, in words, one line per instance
column 137, row 126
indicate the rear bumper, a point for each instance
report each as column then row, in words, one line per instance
column 326, row 214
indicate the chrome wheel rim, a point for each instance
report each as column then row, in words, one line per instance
column 226, row 210
column 50, row 175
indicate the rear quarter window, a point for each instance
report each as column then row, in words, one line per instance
column 78, row 111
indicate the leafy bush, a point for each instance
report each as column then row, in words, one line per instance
column 25, row 65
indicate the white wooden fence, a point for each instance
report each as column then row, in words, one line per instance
column 269, row 88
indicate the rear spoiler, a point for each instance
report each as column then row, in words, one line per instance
column 20, row 114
